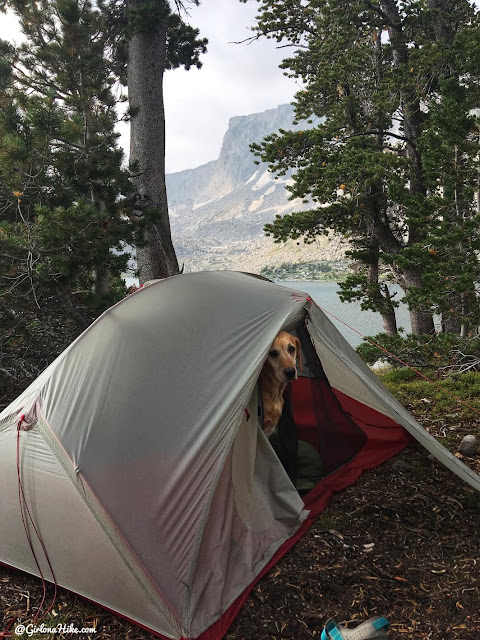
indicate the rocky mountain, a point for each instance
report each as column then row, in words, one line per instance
column 218, row 210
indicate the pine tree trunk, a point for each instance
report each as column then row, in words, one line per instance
column 102, row 281
column 70, row 308
column 464, row 327
column 451, row 324
column 422, row 321
column 101, row 275
column 388, row 314
column 382, row 293
column 390, row 323
column 146, row 65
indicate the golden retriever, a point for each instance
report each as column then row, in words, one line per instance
column 279, row 369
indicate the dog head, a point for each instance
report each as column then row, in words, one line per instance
column 282, row 357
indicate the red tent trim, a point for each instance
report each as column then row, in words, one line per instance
column 385, row 438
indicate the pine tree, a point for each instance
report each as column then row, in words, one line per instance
column 449, row 150
column 60, row 164
column 364, row 66
column 150, row 37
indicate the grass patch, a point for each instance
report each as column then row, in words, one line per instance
column 394, row 376
column 441, row 401
column 440, row 407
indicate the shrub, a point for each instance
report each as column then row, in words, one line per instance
column 398, row 375
column 444, row 352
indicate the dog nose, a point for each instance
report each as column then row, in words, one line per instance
column 290, row 373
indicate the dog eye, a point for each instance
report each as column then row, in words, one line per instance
column 273, row 353
column 291, row 348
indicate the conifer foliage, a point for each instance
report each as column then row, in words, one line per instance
column 61, row 175
column 394, row 165
column 69, row 204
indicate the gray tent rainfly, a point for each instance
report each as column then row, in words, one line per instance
column 144, row 434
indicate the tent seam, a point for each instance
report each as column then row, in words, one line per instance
column 204, row 519
column 272, row 551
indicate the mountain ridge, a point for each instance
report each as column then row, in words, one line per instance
column 218, row 210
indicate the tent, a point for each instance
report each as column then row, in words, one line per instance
column 153, row 490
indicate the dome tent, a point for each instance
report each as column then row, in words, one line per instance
column 154, row 490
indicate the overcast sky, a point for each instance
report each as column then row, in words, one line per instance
column 236, row 79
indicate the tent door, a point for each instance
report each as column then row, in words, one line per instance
column 314, row 436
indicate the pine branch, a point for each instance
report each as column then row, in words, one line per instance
column 388, row 19
column 376, row 132
column 38, row 82
column 181, row 6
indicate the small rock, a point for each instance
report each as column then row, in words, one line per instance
column 400, row 466
column 469, row 446
column 381, row 365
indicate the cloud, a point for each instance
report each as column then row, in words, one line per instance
column 236, row 79
column 9, row 28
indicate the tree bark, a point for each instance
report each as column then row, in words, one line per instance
column 102, row 281
column 66, row 299
column 409, row 98
column 388, row 314
column 439, row 10
column 390, row 323
column 381, row 291
column 451, row 324
column 101, row 275
column 422, row 321
column 146, row 65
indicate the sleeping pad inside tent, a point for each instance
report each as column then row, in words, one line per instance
column 145, row 434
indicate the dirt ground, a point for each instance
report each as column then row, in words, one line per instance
column 402, row 542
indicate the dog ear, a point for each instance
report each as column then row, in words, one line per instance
column 299, row 353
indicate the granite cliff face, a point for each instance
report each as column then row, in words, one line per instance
column 218, row 210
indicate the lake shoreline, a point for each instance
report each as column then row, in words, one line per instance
column 348, row 317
